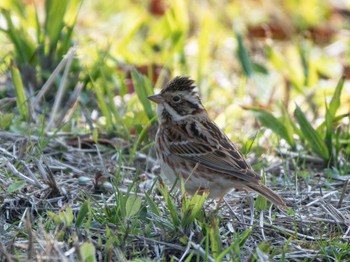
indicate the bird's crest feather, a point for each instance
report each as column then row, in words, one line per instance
column 179, row 83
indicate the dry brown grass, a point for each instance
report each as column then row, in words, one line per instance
column 70, row 169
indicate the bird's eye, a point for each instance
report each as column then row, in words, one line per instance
column 176, row 99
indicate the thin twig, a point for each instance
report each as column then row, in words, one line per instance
column 188, row 248
column 343, row 193
column 70, row 106
column 21, row 176
column 321, row 198
column 61, row 88
column 7, row 153
column 32, row 175
column 202, row 252
column 52, row 78
column 261, row 223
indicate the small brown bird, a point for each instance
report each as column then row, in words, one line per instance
column 190, row 146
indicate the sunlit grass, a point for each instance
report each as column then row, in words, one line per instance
column 78, row 158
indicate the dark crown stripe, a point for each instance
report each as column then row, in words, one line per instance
column 179, row 83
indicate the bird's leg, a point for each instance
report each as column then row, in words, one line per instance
column 219, row 202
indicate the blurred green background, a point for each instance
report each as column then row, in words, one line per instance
column 74, row 81
column 251, row 60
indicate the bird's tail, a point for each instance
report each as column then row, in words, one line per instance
column 269, row 194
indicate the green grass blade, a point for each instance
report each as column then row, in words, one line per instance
column 24, row 46
column 214, row 234
column 335, row 119
column 54, row 22
column 102, row 104
column 335, row 101
column 130, row 35
column 87, row 252
column 38, row 32
column 244, row 236
column 171, row 205
column 270, row 121
column 16, row 186
column 5, row 120
column 222, row 255
column 21, row 98
column 152, row 206
column 192, row 208
column 311, row 135
column 243, row 57
column 331, row 110
column 329, row 132
column 305, row 63
column 143, row 89
column 139, row 139
column 290, row 124
column 66, row 40
column 196, row 204
column 132, row 206
column 84, row 210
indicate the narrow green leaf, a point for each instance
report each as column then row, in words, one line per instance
column 265, row 247
column 38, row 27
column 68, row 217
column 243, row 57
column 290, row 124
column 335, row 120
column 260, row 203
column 133, row 205
column 16, row 186
column 84, row 210
column 270, row 121
column 260, row 68
column 143, row 89
column 215, row 240
column 222, row 255
column 55, row 217
column 189, row 257
column 311, row 135
column 335, row 101
column 21, row 98
column 54, row 22
column 329, row 132
column 331, row 110
column 95, row 135
column 130, row 35
column 88, row 252
column 192, row 208
column 196, row 204
column 152, row 205
column 244, row 236
column 139, row 139
column 102, row 104
column 171, row 206
column 70, row 17
column 305, row 63
column 5, row 121
column 23, row 43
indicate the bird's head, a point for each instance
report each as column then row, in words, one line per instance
column 178, row 100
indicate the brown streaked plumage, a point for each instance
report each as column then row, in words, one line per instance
column 190, row 146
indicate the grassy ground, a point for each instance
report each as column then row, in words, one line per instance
column 78, row 174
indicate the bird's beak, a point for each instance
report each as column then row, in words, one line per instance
column 156, row 98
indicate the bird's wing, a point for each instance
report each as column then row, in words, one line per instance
column 213, row 150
